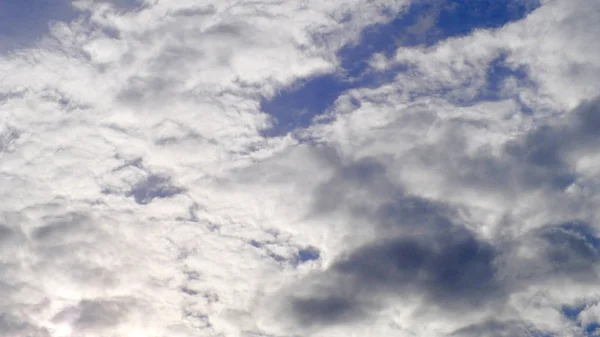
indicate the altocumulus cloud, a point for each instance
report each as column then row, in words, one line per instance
column 299, row 168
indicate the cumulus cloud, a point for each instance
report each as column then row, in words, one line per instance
column 299, row 168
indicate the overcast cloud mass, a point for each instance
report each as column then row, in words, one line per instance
column 299, row 168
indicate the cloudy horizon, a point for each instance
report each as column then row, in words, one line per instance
column 299, row 168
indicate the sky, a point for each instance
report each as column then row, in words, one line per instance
column 299, row 168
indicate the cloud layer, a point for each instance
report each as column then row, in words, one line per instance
column 299, row 168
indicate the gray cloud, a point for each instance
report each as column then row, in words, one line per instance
column 548, row 151
column 94, row 314
column 12, row 326
column 572, row 249
column 9, row 235
column 141, row 89
column 326, row 310
column 450, row 268
column 495, row 328
column 124, row 5
column 367, row 191
column 61, row 228
column 422, row 250
column 197, row 11
column 543, row 158
column 552, row 147
column 452, row 271
column 7, row 138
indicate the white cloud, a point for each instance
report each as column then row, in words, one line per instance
column 139, row 197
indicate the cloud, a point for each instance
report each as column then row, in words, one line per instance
column 419, row 252
column 456, row 275
column 13, row 326
column 498, row 329
column 415, row 250
column 300, row 168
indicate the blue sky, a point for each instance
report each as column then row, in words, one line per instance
column 422, row 24
column 22, row 22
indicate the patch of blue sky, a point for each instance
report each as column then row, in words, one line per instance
column 572, row 312
column 298, row 105
column 308, row 254
column 424, row 23
column 592, row 329
column 22, row 22
column 429, row 22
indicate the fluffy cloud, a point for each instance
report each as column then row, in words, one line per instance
column 448, row 187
